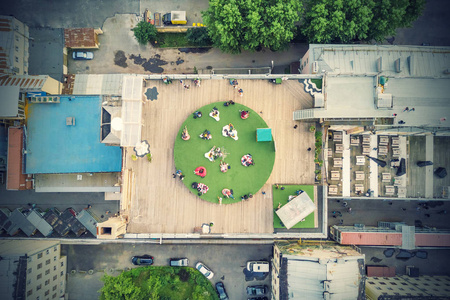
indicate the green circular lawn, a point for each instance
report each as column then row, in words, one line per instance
column 242, row 180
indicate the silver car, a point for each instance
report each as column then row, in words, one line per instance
column 204, row 270
column 179, row 262
column 82, row 55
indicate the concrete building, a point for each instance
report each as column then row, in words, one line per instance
column 316, row 270
column 15, row 89
column 14, row 41
column 369, row 86
column 388, row 102
column 406, row 287
column 32, row 270
column 392, row 235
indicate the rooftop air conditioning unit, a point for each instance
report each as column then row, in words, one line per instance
column 315, row 67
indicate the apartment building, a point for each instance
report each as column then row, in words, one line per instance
column 14, row 38
column 32, row 269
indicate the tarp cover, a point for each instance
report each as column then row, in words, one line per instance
column 297, row 209
column 441, row 172
column 424, row 163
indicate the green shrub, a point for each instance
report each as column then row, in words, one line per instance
column 144, row 32
column 198, row 36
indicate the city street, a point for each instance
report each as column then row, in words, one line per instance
column 430, row 28
column 226, row 261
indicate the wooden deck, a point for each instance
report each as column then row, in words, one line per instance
column 161, row 204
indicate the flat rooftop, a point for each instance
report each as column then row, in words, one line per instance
column 54, row 147
column 162, row 204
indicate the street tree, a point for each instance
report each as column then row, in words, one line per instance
column 198, row 36
column 235, row 25
column 144, row 32
column 327, row 21
column 392, row 14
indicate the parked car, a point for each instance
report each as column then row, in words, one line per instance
column 257, row 290
column 220, row 288
column 82, row 55
column 179, row 262
column 143, row 260
column 204, row 270
column 258, row 266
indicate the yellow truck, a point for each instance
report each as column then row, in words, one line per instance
column 175, row 18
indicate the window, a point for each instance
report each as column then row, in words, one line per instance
column 40, row 254
column 30, row 270
column 47, row 262
column 54, row 258
column 39, row 266
column 47, row 292
column 382, row 283
column 30, row 292
column 47, row 251
column 62, row 273
column 47, row 272
column 54, row 288
column 55, row 277
column 62, row 264
column 17, row 38
column 378, row 288
column 47, row 282
column 55, row 248
column 29, row 281
column 393, row 283
column 17, row 49
column 54, row 296
column 54, row 268
column 39, row 276
column 39, row 287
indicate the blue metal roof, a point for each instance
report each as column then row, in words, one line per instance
column 54, row 147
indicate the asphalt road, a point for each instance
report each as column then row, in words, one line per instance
column 226, row 261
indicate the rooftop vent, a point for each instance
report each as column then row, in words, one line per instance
column 398, row 66
column 380, row 64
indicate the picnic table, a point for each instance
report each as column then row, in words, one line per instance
column 359, row 175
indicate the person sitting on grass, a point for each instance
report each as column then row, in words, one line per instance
column 244, row 114
column 197, row 114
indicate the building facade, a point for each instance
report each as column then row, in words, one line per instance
column 32, row 270
column 14, row 38
column 392, row 235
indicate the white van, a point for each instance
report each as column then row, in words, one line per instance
column 258, row 266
